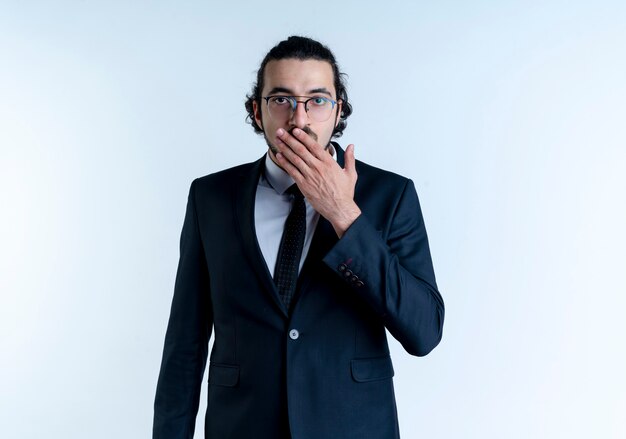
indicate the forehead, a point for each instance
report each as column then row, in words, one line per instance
column 299, row 76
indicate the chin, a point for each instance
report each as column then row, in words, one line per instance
column 272, row 147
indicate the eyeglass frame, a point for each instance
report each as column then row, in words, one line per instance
column 295, row 103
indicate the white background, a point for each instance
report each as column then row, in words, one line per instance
column 509, row 116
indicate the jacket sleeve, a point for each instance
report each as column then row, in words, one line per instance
column 186, row 341
column 395, row 275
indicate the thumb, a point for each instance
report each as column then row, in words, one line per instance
column 349, row 160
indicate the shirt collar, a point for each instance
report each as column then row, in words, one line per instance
column 276, row 177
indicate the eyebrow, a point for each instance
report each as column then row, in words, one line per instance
column 322, row 90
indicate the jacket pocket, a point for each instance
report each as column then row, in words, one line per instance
column 223, row 375
column 371, row 369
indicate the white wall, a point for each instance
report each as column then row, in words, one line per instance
column 509, row 116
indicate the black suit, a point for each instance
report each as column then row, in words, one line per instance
column 324, row 371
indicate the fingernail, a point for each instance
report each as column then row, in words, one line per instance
column 280, row 131
column 296, row 131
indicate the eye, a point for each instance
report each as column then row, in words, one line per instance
column 319, row 101
column 280, row 100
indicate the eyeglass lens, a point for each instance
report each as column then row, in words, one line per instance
column 318, row 109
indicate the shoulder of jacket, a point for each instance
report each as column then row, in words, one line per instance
column 224, row 176
column 379, row 175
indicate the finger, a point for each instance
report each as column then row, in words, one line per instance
column 296, row 146
column 310, row 143
column 349, row 160
column 289, row 167
column 292, row 157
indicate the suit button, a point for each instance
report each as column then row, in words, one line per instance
column 342, row 267
column 294, row 334
column 358, row 284
column 347, row 273
column 353, row 279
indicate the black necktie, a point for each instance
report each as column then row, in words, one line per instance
column 290, row 250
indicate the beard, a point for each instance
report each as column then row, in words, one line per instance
column 307, row 130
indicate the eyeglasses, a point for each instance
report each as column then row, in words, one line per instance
column 318, row 108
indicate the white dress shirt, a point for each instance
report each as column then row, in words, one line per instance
column 271, row 208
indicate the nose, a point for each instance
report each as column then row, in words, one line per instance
column 299, row 118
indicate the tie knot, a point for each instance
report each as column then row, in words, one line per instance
column 295, row 191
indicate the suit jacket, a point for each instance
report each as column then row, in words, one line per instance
column 322, row 370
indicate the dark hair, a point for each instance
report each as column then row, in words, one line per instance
column 301, row 48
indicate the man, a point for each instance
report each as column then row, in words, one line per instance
column 298, row 281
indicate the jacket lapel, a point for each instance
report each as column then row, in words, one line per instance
column 244, row 197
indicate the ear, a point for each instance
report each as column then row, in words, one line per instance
column 338, row 115
column 257, row 114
